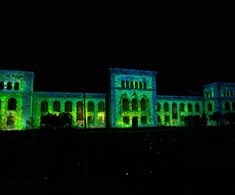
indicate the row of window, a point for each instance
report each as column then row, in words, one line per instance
column 126, row 120
column 167, row 119
column 134, row 84
column 11, row 105
column 208, row 95
column 68, row 106
column 134, row 104
column 229, row 107
column 9, row 86
column 90, row 120
column 228, row 94
column 223, row 94
column 182, row 107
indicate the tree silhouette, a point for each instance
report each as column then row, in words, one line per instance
column 204, row 119
column 216, row 116
column 63, row 120
column 30, row 123
column 229, row 117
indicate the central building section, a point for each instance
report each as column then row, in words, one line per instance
column 132, row 98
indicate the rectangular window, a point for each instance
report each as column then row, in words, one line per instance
column 182, row 118
column 126, row 120
column 143, row 120
column 167, row 118
column 174, row 116
column 90, row 120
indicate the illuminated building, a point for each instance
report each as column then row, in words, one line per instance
column 132, row 101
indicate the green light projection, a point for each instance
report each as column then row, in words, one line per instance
column 11, row 119
column 223, row 94
column 15, row 95
column 128, row 89
column 171, row 110
column 90, row 118
column 132, row 96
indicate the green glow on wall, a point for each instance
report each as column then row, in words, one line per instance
column 132, row 95
column 132, row 85
column 174, row 116
column 95, row 114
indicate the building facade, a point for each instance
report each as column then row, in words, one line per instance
column 132, row 100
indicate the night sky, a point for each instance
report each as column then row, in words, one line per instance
column 70, row 45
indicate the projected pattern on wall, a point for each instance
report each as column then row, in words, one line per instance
column 133, row 98
column 133, row 101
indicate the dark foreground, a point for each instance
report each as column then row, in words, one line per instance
column 142, row 162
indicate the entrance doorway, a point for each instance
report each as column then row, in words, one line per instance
column 135, row 122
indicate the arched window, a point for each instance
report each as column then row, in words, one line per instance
column 141, row 85
column 209, row 106
column 101, row 106
column 9, row 86
column 143, row 104
column 166, row 107
column 181, row 107
column 12, row 104
column 125, row 104
column 145, row 85
column 68, row 106
column 197, row 107
column 44, row 106
column 17, row 86
column 174, row 111
column 90, row 106
column 127, row 84
column 132, row 84
column 134, row 104
column 136, row 84
column 123, row 84
column 190, row 108
column 227, row 106
column 158, row 107
column 79, row 110
column 56, row 106
column 1, row 85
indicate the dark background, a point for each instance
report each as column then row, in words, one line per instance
column 70, row 45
